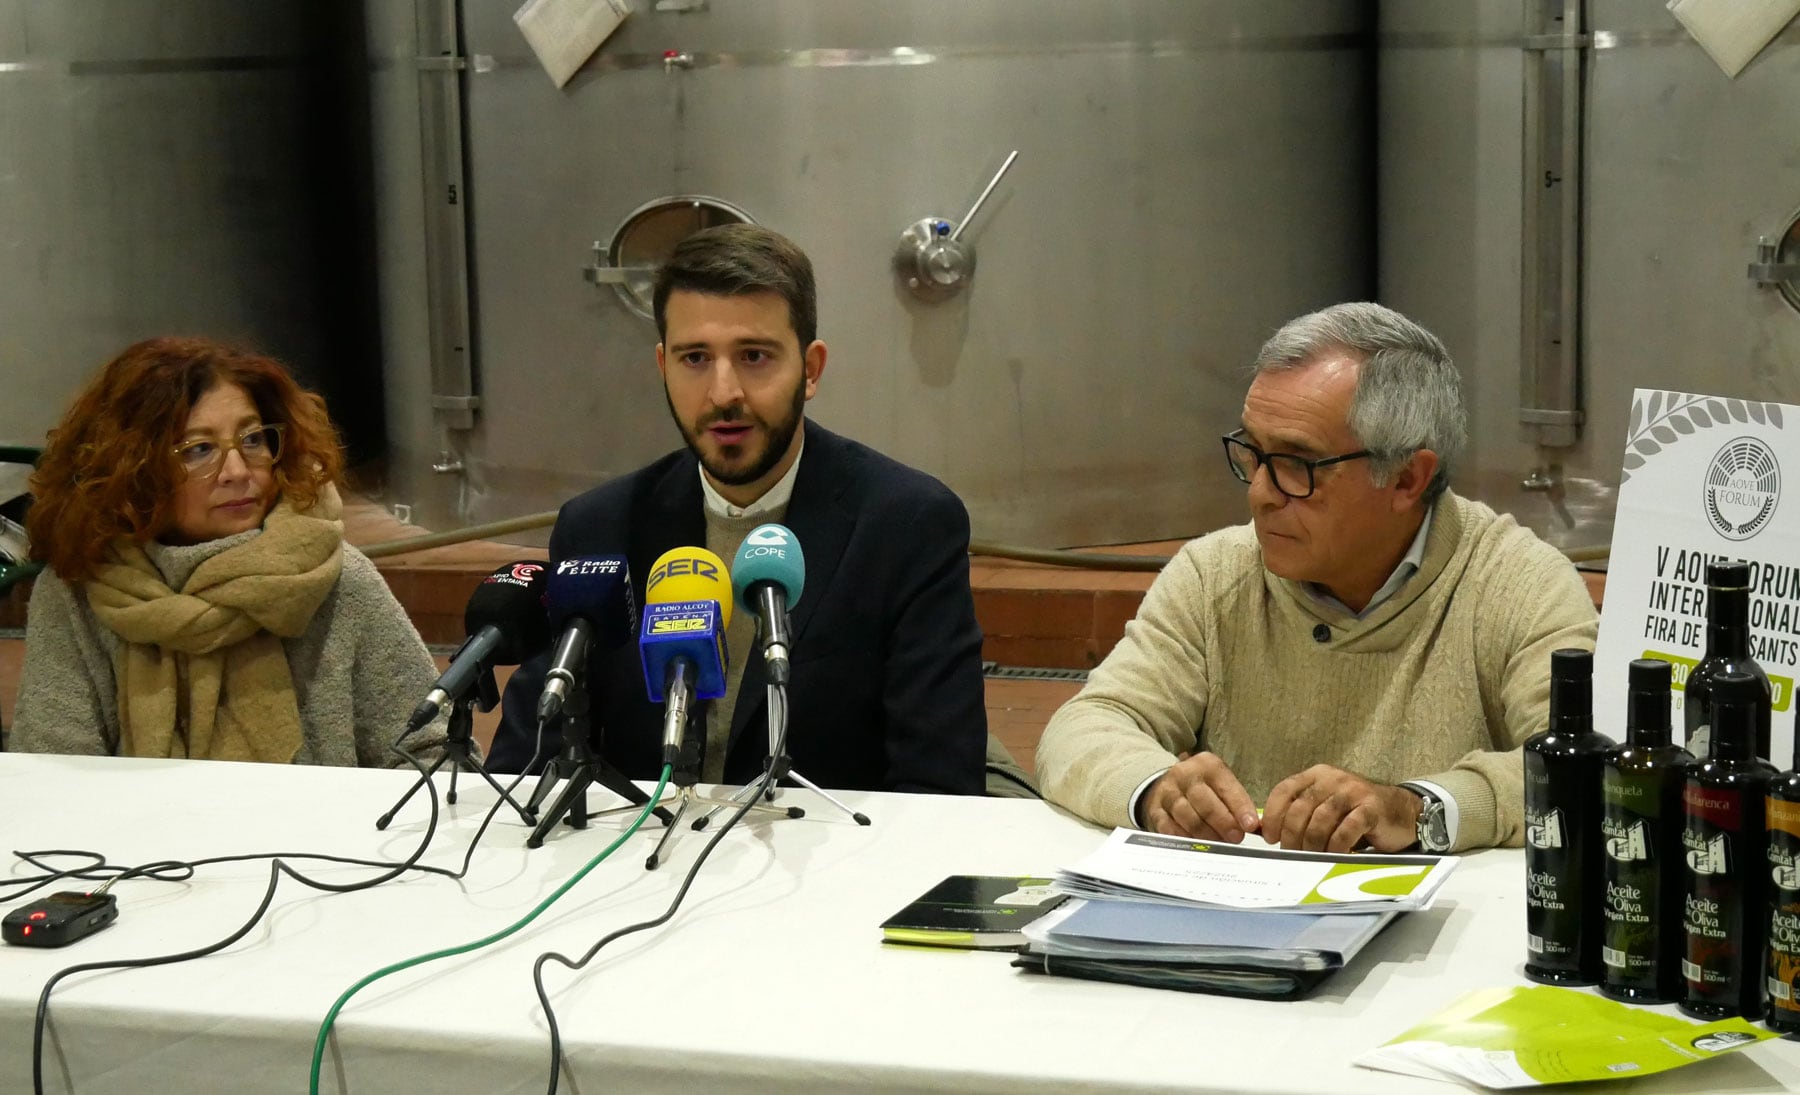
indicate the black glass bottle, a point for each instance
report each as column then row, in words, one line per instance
column 1782, row 971
column 1727, row 651
column 1641, row 824
column 1724, row 900
column 1563, row 891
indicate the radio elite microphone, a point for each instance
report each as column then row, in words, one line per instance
column 687, row 607
column 767, row 575
column 505, row 624
column 590, row 602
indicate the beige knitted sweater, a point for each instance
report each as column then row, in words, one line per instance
column 1442, row 682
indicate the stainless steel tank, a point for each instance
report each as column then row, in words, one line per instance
column 1677, row 171
column 180, row 169
column 1190, row 175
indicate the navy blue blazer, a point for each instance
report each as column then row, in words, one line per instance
column 886, row 691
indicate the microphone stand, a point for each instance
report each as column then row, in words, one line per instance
column 684, row 779
column 780, row 766
column 581, row 765
column 459, row 750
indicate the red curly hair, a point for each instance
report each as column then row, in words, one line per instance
column 109, row 470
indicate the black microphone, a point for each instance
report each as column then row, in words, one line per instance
column 505, row 624
column 589, row 598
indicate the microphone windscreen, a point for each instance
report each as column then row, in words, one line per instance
column 769, row 554
column 690, row 574
column 511, row 600
column 595, row 588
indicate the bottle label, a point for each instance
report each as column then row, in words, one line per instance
column 1563, row 891
column 1635, row 902
column 1725, row 913
column 1545, row 831
column 1784, row 912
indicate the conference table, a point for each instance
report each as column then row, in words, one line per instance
column 771, row 976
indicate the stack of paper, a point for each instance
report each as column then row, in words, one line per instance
column 1244, row 920
column 1149, row 867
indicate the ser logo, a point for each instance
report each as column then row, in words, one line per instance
column 1743, row 484
column 698, row 567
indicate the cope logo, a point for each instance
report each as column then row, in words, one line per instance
column 1743, row 484
column 768, row 536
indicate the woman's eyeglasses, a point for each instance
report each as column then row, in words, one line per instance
column 202, row 457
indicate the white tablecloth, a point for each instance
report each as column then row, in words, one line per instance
column 770, row 978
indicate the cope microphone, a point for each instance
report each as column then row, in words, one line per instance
column 590, row 603
column 687, row 607
column 767, row 575
column 505, row 624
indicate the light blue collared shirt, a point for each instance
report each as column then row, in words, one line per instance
column 1409, row 565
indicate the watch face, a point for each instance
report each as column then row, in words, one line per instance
column 1434, row 831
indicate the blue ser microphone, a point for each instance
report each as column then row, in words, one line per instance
column 591, row 607
column 767, row 576
column 687, row 607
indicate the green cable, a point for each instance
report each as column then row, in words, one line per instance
column 318, row 1057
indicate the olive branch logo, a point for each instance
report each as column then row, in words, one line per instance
column 1665, row 417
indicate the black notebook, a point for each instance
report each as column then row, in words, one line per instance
column 972, row 911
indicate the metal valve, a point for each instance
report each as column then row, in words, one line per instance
column 932, row 259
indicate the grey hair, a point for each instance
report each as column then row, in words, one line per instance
column 1408, row 393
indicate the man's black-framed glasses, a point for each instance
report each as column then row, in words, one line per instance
column 1292, row 475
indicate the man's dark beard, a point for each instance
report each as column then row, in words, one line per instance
column 781, row 435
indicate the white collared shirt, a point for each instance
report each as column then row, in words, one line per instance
column 773, row 499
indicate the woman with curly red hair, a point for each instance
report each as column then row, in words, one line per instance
column 198, row 598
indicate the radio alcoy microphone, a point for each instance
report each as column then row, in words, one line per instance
column 505, row 624
column 767, row 575
column 590, row 603
column 687, row 607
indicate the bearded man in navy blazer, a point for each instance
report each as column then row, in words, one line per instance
column 886, row 690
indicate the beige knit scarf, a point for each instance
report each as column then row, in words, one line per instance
column 202, row 672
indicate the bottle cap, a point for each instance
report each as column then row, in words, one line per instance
column 1740, row 689
column 1572, row 690
column 1647, row 718
column 1728, row 574
column 1649, row 675
column 1571, row 665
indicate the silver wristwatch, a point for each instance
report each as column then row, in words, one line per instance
column 1434, row 824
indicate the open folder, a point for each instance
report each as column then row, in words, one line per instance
column 1226, row 951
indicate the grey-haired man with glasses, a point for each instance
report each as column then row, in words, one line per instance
column 1358, row 666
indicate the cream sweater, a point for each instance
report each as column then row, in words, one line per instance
column 1442, row 682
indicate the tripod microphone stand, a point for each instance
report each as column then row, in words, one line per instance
column 780, row 767
column 581, row 765
column 459, row 750
column 685, row 777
